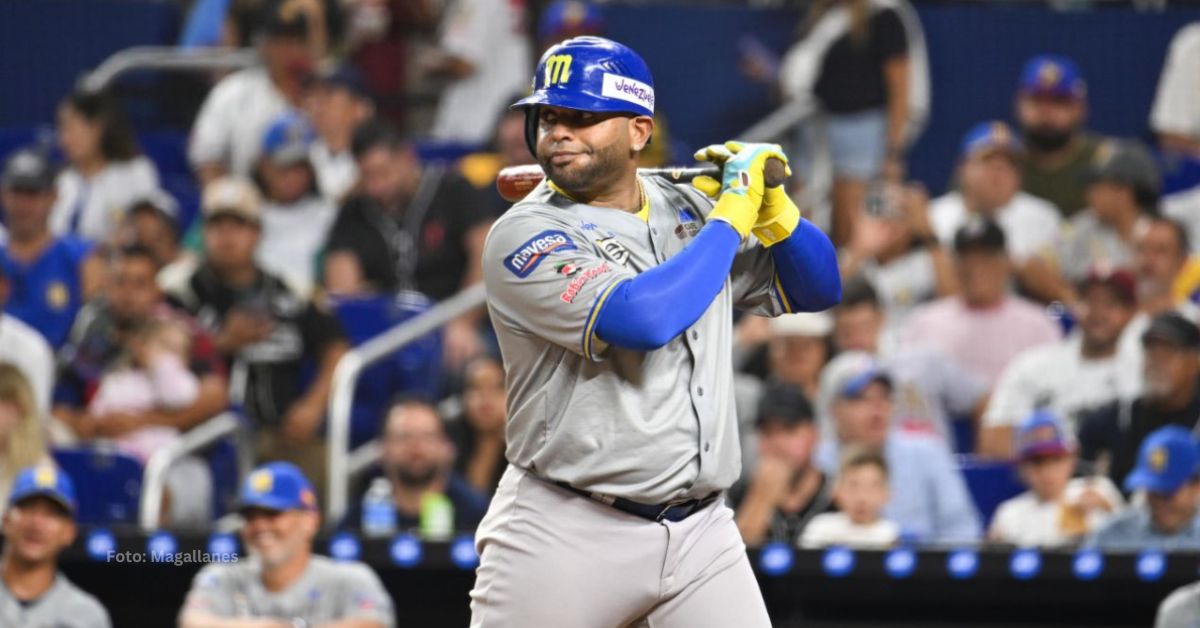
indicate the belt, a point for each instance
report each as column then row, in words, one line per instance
column 669, row 511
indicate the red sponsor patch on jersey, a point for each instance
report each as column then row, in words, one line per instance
column 581, row 278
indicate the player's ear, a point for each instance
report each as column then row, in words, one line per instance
column 640, row 130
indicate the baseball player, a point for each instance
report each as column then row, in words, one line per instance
column 612, row 296
column 282, row 584
column 38, row 524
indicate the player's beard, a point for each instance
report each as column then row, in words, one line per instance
column 604, row 164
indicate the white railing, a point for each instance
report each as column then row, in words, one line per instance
column 154, row 477
column 165, row 58
column 343, row 462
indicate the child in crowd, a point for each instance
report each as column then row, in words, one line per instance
column 860, row 494
column 153, row 375
column 1056, row 510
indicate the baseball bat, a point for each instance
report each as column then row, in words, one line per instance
column 514, row 182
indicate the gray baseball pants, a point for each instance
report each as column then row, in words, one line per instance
column 552, row 559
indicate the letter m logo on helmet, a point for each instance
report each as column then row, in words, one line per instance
column 557, row 69
column 589, row 74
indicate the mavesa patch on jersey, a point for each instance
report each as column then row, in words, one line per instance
column 529, row 255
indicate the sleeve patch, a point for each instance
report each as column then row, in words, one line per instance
column 529, row 255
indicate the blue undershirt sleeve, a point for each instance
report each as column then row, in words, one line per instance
column 646, row 312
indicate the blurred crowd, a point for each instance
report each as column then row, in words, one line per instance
column 1038, row 317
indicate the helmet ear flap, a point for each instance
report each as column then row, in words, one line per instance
column 531, row 128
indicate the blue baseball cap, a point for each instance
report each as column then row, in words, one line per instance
column 1043, row 434
column 988, row 137
column 277, row 486
column 569, row 17
column 1052, row 75
column 288, row 138
column 1167, row 460
column 44, row 480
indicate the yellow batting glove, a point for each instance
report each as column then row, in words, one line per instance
column 717, row 154
column 741, row 188
column 737, row 210
column 777, row 218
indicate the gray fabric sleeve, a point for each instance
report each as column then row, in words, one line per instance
column 88, row 611
column 211, row 593
column 364, row 596
column 546, row 279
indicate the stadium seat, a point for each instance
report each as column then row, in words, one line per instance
column 990, row 483
column 414, row 370
column 108, row 484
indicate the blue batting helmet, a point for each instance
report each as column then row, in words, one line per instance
column 589, row 74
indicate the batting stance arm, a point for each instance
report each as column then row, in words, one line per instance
column 649, row 310
column 806, row 267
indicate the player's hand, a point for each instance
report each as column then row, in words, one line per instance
column 777, row 218
column 740, row 192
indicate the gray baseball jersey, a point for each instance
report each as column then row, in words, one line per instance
column 650, row 426
column 63, row 605
column 327, row 591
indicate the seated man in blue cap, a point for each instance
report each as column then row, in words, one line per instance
column 1168, row 469
column 38, row 525
column 282, row 580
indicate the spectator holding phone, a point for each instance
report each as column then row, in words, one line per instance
column 894, row 247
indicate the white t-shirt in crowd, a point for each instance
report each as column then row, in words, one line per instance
column 1176, row 109
column 1030, row 224
column 230, row 126
column 336, row 172
column 1057, row 377
column 292, row 236
column 25, row 348
column 490, row 35
column 1027, row 521
column 835, row 528
column 902, row 284
column 93, row 208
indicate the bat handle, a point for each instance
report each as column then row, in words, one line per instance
column 774, row 172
